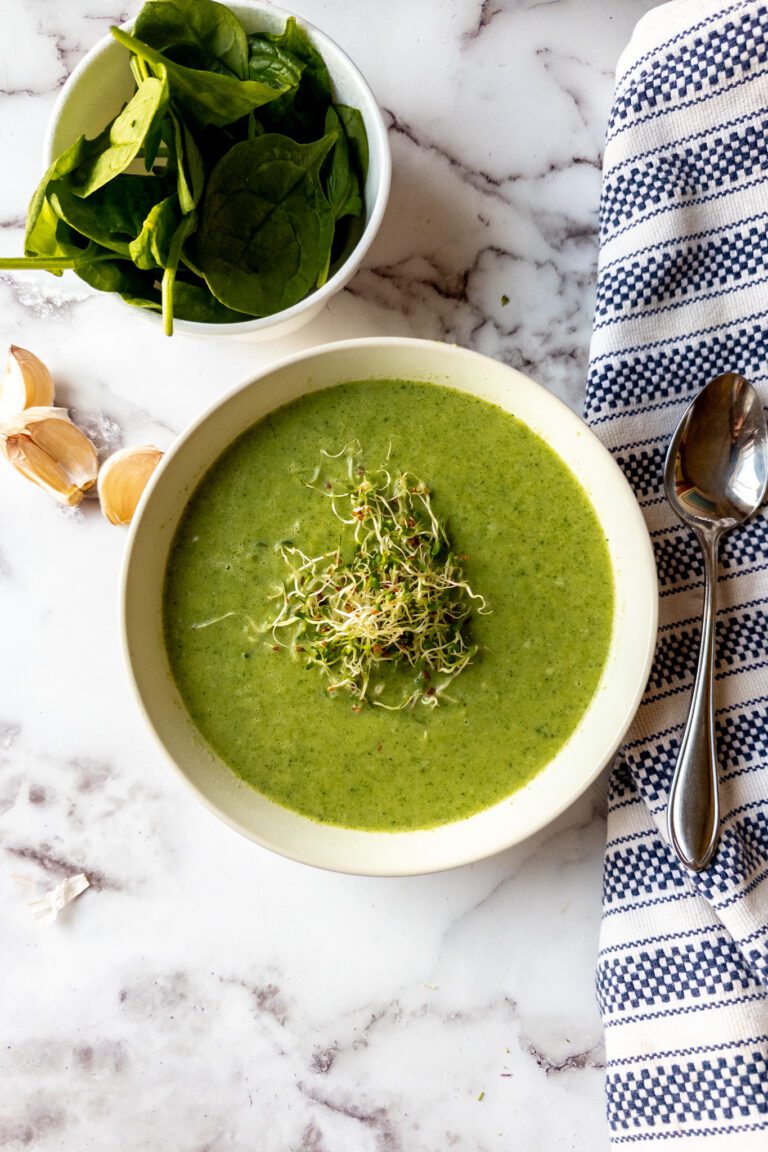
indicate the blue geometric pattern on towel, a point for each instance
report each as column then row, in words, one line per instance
column 711, row 63
column 684, row 1091
column 650, row 378
column 697, row 169
column 672, row 972
column 742, row 740
column 678, row 564
column 669, row 273
column 742, row 642
column 635, row 871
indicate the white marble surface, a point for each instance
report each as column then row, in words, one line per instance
column 205, row 994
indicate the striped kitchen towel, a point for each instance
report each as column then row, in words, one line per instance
column 682, row 295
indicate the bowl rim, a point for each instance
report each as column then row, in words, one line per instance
column 378, row 144
column 643, row 561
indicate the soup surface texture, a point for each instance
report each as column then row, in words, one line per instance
column 533, row 549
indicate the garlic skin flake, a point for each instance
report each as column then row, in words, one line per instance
column 123, row 478
column 46, row 447
column 46, row 908
column 26, row 383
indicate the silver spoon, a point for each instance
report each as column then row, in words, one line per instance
column 715, row 477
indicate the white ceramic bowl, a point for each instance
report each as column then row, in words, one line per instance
column 102, row 82
column 573, row 768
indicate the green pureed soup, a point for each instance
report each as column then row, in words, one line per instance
column 530, row 544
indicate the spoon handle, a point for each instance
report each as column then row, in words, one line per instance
column 693, row 815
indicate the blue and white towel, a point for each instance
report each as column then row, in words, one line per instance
column 682, row 295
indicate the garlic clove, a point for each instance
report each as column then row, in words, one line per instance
column 46, row 447
column 26, row 383
column 123, row 478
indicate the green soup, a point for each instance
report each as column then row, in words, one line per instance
column 533, row 549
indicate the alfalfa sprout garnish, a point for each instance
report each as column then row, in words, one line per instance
column 391, row 593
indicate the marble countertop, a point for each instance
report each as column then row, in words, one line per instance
column 205, row 994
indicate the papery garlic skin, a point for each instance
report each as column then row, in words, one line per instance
column 123, row 478
column 26, row 383
column 46, row 447
column 46, row 909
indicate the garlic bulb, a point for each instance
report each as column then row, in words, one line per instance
column 46, row 447
column 27, row 383
column 123, row 478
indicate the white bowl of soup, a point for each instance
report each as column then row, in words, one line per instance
column 384, row 747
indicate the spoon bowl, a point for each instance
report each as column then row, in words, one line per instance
column 715, row 478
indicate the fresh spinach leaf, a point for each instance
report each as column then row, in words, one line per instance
column 273, row 65
column 82, row 258
column 126, row 136
column 300, row 112
column 154, row 136
column 152, row 144
column 294, row 41
column 322, row 275
column 350, row 229
column 266, row 226
column 345, row 240
column 185, row 228
column 51, row 239
column 117, row 275
column 357, row 139
column 40, row 232
column 139, row 69
column 339, row 181
column 114, row 214
column 208, row 97
column 189, row 261
column 190, row 172
column 82, row 261
column 191, row 302
column 194, row 302
column 210, row 32
column 151, row 247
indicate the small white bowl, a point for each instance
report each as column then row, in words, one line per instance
column 576, row 764
column 102, row 83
